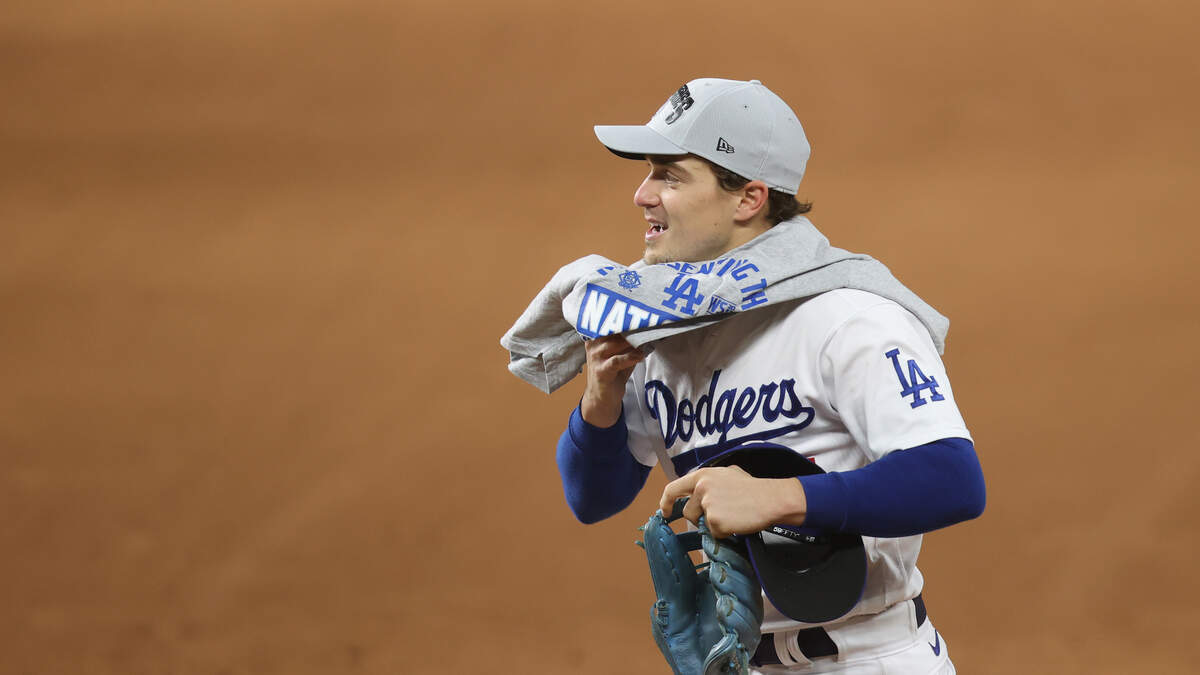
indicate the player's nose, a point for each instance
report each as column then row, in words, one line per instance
column 646, row 196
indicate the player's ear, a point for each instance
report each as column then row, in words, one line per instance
column 753, row 200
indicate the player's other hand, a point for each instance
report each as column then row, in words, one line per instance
column 734, row 502
column 610, row 362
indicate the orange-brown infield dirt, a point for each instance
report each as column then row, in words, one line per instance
column 256, row 258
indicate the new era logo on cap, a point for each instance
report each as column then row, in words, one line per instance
column 700, row 117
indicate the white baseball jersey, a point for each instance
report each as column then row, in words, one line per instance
column 843, row 378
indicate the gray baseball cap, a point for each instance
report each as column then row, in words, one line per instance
column 742, row 126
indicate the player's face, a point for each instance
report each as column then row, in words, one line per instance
column 691, row 217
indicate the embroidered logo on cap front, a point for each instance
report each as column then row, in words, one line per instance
column 680, row 101
column 724, row 146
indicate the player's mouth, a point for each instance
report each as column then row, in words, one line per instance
column 655, row 230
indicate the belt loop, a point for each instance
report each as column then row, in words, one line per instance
column 791, row 648
column 782, row 654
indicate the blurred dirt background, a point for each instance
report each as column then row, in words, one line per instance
column 256, row 257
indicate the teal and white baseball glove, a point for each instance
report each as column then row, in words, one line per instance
column 707, row 618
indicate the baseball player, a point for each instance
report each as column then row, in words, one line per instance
column 848, row 378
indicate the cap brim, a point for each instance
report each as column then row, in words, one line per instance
column 636, row 141
column 809, row 576
column 813, row 583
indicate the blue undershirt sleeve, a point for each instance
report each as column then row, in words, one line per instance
column 906, row 492
column 600, row 476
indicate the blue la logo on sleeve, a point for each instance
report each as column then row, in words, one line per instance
column 916, row 382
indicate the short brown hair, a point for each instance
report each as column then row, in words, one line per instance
column 780, row 205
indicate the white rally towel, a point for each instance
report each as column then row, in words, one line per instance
column 594, row 296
